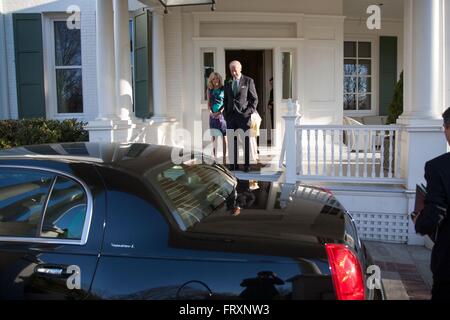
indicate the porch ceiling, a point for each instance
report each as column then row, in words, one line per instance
column 391, row 9
column 170, row 3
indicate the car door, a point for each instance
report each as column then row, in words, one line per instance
column 49, row 243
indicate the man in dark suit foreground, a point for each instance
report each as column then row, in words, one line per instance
column 433, row 220
column 240, row 102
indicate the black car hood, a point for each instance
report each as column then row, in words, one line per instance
column 279, row 212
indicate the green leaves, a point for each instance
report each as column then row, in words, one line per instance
column 15, row 133
column 396, row 107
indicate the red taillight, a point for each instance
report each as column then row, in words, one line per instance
column 346, row 272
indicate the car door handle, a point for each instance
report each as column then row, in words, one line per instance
column 54, row 271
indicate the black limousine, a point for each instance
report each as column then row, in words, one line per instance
column 125, row 221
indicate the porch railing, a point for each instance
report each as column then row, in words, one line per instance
column 359, row 154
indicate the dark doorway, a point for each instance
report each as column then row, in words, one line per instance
column 252, row 66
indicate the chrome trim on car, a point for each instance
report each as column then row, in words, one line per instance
column 44, row 209
column 87, row 220
column 51, row 157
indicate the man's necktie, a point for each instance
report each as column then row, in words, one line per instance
column 235, row 87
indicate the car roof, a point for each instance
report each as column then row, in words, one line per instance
column 131, row 156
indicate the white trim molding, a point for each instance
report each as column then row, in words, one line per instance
column 375, row 66
column 4, row 100
column 51, row 100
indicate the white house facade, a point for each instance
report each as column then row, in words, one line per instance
column 136, row 73
column 300, row 45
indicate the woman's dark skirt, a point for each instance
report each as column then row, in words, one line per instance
column 218, row 126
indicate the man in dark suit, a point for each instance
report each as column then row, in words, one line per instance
column 240, row 102
column 433, row 218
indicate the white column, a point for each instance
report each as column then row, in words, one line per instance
column 423, row 41
column 159, row 68
column 124, row 88
column 422, row 138
column 108, row 126
column 106, row 84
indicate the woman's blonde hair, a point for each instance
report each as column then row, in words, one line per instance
column 211, row 78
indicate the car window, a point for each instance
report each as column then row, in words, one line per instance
column 195, row 191
column 22, row 199
column 66, row 211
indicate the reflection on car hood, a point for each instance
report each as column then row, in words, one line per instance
column 279, row 212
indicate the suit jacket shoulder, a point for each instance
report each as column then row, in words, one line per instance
column 246, row 79
column 441, row 163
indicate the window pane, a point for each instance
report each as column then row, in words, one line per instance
column 364, row 50
column 67, row 45
column 364, row 102
column 287, row 75
column 349, row 102
column 22, row 198
column 69, row 90
column 208, row 68
column 349, row 67
column 364, row 85
column 66, row 211
column 350, row 85
column 195, row 191
column 365, row 67
column 350, row 49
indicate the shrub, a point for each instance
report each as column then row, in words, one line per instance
column 396, row 107
column 15, row 133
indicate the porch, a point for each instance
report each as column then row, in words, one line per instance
column 380, row 164
column 379, row 203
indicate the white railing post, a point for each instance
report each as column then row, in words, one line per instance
column 292, row 146
column 365, row 162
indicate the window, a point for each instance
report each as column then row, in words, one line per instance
column 207, row 69
column 66, row 211
column 67, row 68
column 357, row 75
column 38, row 204
column 23, row 195
column 287, row 75
column 195, row 191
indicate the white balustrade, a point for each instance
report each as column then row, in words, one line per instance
column 360, row 154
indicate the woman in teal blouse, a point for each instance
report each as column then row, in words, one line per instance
column 217, row 123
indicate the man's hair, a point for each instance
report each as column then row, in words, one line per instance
column 236, row 63
column 446, row 116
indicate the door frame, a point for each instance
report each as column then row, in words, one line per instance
column 277, row 46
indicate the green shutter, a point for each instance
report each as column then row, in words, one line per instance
column 388, row 72
column 29, row 65
column 143, row 79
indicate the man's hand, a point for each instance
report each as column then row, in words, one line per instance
column 414, row 216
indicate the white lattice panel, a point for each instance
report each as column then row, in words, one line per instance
column 387, row 227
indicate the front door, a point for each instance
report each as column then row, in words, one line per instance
column 256, row 64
